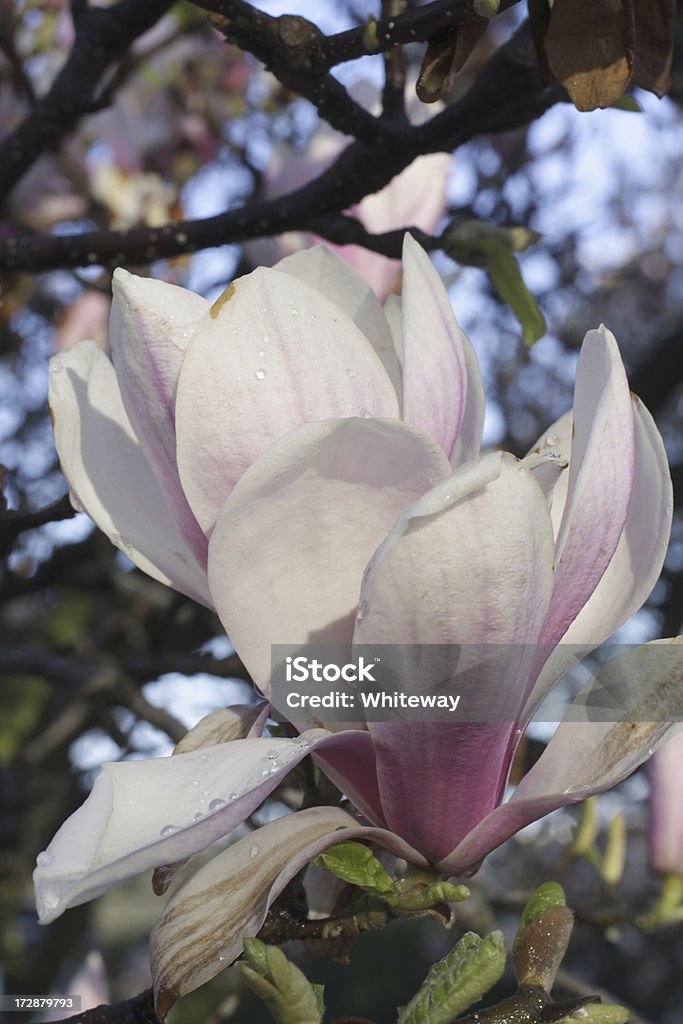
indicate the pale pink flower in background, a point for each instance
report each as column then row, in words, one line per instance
column 414, row 198
column 309, row 465
column 666, row 807
column 86, row 318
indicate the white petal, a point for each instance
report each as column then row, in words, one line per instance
column 144, row 814
column 272, row 354
column 329, row 274
column 150, row 327
column 108, row 473
column 289, row 549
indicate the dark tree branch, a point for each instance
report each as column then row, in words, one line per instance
column 507, row 94
column 318, row 54
column 13, row 523
column 287, row 47
column 103, row 37
column 138, row 1010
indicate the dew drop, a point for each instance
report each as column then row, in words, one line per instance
column 203, row 757
column 262, row 353
column 260, row 374
column 44, row 859
column 198, row 816
column 266, row 339
column 168, row 830
column 254, row 852
column 195, row 782
column 216, row 805
column 232, row 796
column 272, row 754
column 552, row 439
column 362, row 611
column 56, row 367
column 294, row 311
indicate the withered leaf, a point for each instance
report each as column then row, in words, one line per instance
column 589, row 49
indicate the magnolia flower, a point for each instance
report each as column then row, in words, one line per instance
column 308, row 463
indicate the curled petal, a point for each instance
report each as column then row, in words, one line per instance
column 202, row 927
column 271, row 355
column 108, row 472
column 150, row 327
column 636, row 564
column 595, row 747
column 288, row 552
column 442, row 388
column 144, row 814
column 600, row 480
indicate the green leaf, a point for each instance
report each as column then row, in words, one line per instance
column 506, row 275
column 357, row 864
column 285, row 990
column 548, row 895
column 466, row 974
column 422, row 897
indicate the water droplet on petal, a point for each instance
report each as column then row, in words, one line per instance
column 198, row 816
column 232, row 796
column 195, row 782
column 294, row 311
column 217, row 805
column 262, row 353
column 203, row 757
column 552, row 439
column 272, row 754
column 362, row 611
column 56, row 367
column 254, row 852
column 168, row 830
column 44, row 859
column 266, row 339
column 260, row 374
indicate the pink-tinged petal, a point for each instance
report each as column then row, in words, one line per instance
column 108, row 473
column 600, row 480
column 287, row 555
column 150, row 326
column 442, row 388
column 271, row 355
column 204, row 924
column 329, row 274
column 145, row 814
column 636, row 563
column 470, row 564
column 594, row 749
column 666, row 807
column 348, row 759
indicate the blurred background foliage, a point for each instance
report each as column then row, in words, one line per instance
column 99, row 662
